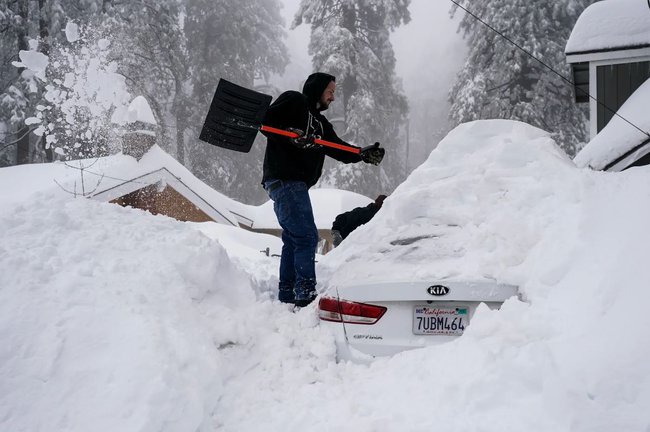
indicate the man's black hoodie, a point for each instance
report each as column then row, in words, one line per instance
column 283, row 159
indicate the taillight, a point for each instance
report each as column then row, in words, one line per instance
column 331, row 309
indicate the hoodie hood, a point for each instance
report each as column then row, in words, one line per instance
column 315, row 85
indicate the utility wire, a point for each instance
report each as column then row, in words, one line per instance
column 549, row 67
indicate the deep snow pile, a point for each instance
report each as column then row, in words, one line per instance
column 114, row 319
column 472, row 211
column 106, row 318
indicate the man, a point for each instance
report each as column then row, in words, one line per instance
column 291, row 167
column 347, row 222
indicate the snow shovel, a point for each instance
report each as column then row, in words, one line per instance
column 235, row 116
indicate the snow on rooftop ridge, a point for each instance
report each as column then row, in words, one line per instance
column 611, row 24
column 618, row 136
column 139, row 110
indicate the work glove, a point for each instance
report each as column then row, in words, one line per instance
column 372, row 154
column 303, row 141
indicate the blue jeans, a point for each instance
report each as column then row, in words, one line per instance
column 292, row 207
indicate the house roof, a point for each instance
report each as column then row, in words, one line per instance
column 619, row 143
column 121, row 175
column 110, row 177
column 611, row 25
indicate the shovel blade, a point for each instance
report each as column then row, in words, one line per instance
column 234, row 117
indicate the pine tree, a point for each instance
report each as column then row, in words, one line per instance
column 15, row 86
column 243, row 43
column 29, row 25
column 499, row 80
column 153, row 57
column 350, row 40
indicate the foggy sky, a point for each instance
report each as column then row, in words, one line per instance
column 429, row 52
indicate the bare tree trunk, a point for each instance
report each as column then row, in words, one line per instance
column 180, row 139
column 349, row 83
column 44, row 32
column 43, row 29
column 180, row 122
column 22, row 148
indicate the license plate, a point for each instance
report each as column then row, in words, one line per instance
column 440, row 320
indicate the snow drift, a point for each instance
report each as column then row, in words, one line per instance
column 113, row 319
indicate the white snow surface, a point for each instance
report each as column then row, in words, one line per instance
column 114, row 319
column 33, row 61
column 473, row 211
column 611, row 24
column 619, row 136
column 72, row 32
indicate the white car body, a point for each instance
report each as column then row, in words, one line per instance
column 362, row 338
column 464, row 221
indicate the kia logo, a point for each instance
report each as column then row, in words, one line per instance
column 438, row 290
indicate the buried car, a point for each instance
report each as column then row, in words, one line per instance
column 448, row 239
column 385, row 318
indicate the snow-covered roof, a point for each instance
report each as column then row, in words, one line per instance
column 619, row 137
column 110, row 177
column 123, row 175
column 611, row 25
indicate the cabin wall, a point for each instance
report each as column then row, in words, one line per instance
column 615, row 84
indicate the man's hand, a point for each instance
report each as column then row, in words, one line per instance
column 336, row 238
column 372, row 154
column 303, row 141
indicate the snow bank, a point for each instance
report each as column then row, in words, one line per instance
column 109, row 318
column 569, row 358
column 113, row 319
column 472, row 211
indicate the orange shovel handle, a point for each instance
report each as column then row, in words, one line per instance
column 319, row 141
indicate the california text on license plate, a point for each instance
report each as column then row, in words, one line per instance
column 440, row 320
